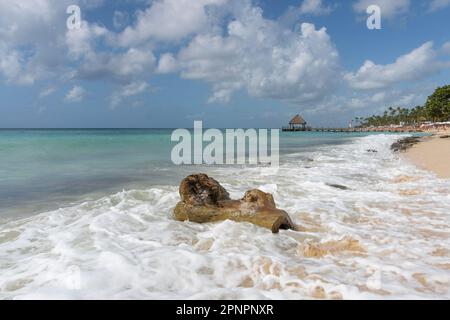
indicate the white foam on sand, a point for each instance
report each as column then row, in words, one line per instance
column 388, row 237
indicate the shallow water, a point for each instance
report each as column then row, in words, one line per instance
column 387, row 237
column 42, row 170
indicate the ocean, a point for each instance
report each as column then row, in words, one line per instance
column 87, row 214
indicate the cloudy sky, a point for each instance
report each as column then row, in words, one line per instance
column 230, row 63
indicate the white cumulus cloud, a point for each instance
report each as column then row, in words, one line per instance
column 314, row 7
column 47, row 92
column 128, row 90
column 31, row 36
column 167, row 63
column 415, row 65
column 263, row 58
column 168, row 20
column 389, row 8
column 76, row 94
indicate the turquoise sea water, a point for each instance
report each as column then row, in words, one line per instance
column 46, row 169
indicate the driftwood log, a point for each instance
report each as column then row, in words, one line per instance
column 204, row 200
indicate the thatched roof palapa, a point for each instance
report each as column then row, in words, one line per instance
column 297, row 120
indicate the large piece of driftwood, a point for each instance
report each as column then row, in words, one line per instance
column 204, row 200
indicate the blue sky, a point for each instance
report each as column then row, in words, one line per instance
column 230, row 63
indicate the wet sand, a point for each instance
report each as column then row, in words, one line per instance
column 432, row 154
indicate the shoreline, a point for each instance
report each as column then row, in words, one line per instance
column 432, row 154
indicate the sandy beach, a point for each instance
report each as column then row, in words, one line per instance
column 432, row 154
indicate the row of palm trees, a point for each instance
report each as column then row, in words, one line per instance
column 437, row 108
column 394, row 116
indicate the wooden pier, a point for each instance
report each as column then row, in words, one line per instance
column 288, row 129
column 349, row 130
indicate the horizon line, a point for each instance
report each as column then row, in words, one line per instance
column 125, row 128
